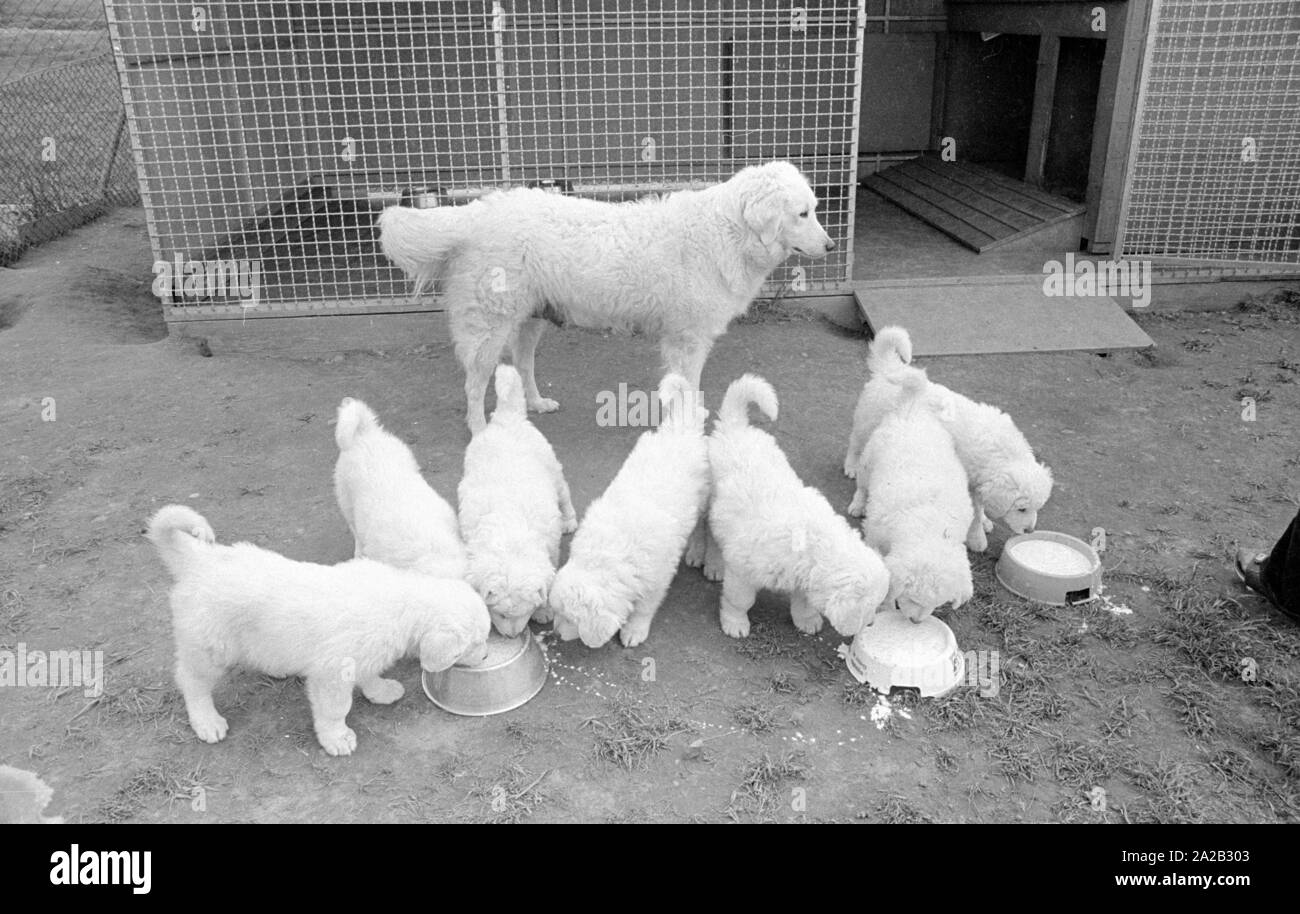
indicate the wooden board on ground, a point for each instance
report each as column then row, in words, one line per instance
column 982, row 314
column 978, row 207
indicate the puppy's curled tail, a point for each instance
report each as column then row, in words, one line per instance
column 747, row 389
column 890, row 351
column 355, row 418
column 420, row 241
column 680, row 403
column 510, row 392
column 180, row 534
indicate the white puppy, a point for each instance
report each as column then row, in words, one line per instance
column 917, row 504
column 1006, row 481
column 679, row 267
column 337, row 626
column 627, row 549
column 514, row 506
column 776, row 533
column 394, row 515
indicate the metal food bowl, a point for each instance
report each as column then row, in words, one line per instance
column 1057, row 586
column 895, row 652
column 514, row 671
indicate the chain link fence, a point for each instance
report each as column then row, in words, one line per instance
column 65, row 156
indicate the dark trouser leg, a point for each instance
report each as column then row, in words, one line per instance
column 1281, row 573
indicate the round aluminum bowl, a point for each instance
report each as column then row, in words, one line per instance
column 1057, row 586
column 514, row 671
column 895, row 652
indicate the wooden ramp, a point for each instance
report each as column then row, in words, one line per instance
column 980, row 208
column 982, row 314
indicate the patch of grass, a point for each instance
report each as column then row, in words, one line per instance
column 960, row 709
column 1169, row 788
column 756, row 718
column 1118, row 721
column 782, row 683
column 944, row 760
column 762, row 781
column 1081, row 765
column 1232, row 764
column 511, row 796
column 898, row 811
column 163, row 780
column 1282, row 745
column 1012, row 758
column 1194, row 705
column 22, row 497
column 766, row 640
column 629, row 735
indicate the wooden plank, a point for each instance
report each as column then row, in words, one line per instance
column 974, row 198
column 982, row 222
column 1024, row 195
column 1007, row 191
column 1116, row 109
column 999, row 317
column 1040, row 123
column 953, row 228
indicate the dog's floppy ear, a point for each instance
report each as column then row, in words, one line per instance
column 998, row 494
column 764, row 208
column 441, row 647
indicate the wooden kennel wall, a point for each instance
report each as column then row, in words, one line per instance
column 274, row 131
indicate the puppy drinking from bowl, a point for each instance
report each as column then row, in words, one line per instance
column 627, row 549
column 773, row 532
column 514, row 506
column 337, row 626
column 913, row 490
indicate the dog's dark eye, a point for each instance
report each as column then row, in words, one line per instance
column 804, row 214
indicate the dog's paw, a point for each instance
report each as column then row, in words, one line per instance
column 209, row 729
column 694, row 557
column 850, row 470
column 734, row 624
column 634, row 632
column 976, row 541
column 809, row 625
column 543, row 405
column 569, row 523
column 986, row 524
column 383, row 691
column 338, row 742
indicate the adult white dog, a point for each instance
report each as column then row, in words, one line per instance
column 337, row 626
column 774, row 532
column 627, row 549
column 395, row 516
column 514, row 506
column 1006, row 481
column 679, row 267
column 914, row 493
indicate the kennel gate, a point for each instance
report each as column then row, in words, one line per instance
column 1215, row 153
column 272, row 133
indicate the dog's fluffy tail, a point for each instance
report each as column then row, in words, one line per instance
column 747, row 389
column 510, row 392
column 180, row 534
column 419, row 241
column 889, row 351
column 680, row 404
column 355, row 419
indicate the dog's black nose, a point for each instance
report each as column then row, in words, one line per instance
column 830, row 244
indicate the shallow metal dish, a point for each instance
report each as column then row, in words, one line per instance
column 514, row 671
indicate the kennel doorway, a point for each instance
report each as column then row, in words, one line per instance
column 1215, row 156
column 272, row 133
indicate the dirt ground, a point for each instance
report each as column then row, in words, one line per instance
column 1151, row 707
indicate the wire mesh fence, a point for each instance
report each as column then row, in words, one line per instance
column 64, row 155
column 272, row 133
column 1215, row 160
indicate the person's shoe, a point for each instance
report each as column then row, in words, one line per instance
column 1250, row 569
